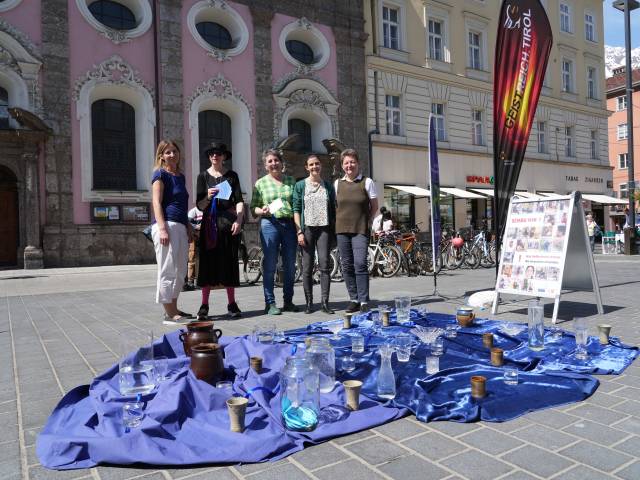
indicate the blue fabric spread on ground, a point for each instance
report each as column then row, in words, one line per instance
column 186, row 420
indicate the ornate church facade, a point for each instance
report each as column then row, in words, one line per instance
column 88, row 87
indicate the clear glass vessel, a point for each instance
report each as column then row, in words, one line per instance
column 322, row 357
column 386, row 378
column 299, row 395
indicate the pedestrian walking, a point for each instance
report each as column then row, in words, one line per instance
column 272, row 202
column 592, row 231
column 356, row 201
column 314, row 214
column 222, row 220
column 171, row 232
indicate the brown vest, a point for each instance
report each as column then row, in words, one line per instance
column 352, row 212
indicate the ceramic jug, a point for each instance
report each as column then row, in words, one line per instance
column 197, row 333
column 207, row 362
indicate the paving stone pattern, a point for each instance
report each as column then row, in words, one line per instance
column 61, row 327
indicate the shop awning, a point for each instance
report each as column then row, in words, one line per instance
column 458, row 192
column 484, row 191
column 604, row 199
column 529, row 195
column 549, row 194
column 417, row 191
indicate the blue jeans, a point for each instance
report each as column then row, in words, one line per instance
column 278, row 236
column 353, row 249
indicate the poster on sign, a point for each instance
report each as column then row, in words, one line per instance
column 545, row 249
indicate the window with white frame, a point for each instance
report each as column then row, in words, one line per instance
column 565, row 18
column 621, row 103
column 622, row 131
column 436, row 39
column 475, row 49
column 623, row 160
column 542, row 137
column 437, row 109
column 589, row 27
column 477, row 127
column 391, row 27
column 392, row 114
column 593, row 143
column 624, row 191
column 592, row 83
column 567, row 75
column 569, row 142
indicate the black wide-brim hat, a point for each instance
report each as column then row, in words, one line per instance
column 217, row 147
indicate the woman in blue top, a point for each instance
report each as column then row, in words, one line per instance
column 172, row 231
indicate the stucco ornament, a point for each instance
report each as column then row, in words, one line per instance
column 218, row 87
column 7, row 60
column 114, row 71
column 307, row 99
column 304, row 23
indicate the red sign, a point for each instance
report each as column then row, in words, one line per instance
column 476, row 179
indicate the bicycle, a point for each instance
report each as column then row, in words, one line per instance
column 384, row 256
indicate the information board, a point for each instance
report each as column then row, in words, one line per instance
column 545, row 249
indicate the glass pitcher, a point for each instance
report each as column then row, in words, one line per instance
column 386, row 378
column 299, row 395
column 322, row 357
column 136, row 368
column 536, row 325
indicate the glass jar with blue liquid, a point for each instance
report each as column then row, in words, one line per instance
column 299, row 395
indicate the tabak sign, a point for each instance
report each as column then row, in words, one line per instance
column 485, row 180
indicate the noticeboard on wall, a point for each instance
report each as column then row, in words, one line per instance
column 116, row 213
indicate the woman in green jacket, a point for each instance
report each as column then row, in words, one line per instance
column 314, row 213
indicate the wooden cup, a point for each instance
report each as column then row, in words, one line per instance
column 487, row 340
column 352, row 389
column 478, row 386
column 497, row 357
column 237, row 407
column 603, row 333
column 256, row 364
column 385, row 318
column 346, row 321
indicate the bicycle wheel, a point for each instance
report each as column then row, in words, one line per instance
column 371, row 264
column 389, row 261
column 336, row 267
column 471, row 257
column 252, row 268
column 454, row 258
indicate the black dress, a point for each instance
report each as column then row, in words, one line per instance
column 218, row 267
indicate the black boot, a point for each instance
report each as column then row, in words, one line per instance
column 326, row 308
column 309, row 304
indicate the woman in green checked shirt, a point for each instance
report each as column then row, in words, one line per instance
column 272, row 202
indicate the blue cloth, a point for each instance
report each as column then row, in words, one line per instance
column 186, row 420
column 278, row 237
column 175, row 198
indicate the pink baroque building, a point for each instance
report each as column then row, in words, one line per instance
column 88, row 87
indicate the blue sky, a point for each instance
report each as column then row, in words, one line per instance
column 614, row 26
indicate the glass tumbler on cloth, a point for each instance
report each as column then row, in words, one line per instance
column 136, row 366
column 535, row 314
column 322, row 357
column 403, row 347
column 403, row 309
column 581, row 331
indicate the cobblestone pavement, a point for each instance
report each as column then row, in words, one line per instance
column 59, row 328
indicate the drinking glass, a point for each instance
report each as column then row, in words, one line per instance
column 335, row 328
column 264, row 333
column 403, row 347
column 375, row 320
column 451, row 331
column 224, row 384
column 357, row 343
column 132, row 414
column 535, row 314
column 278, row 336
column 433, row 365
column 136, row 366
column 403, row 309
column 437, row 347
column 348, row 363
column 582, row 336
column 555, row 333
column 161, row 365
column 510, row 376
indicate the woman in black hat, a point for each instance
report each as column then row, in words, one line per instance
column 220, row 230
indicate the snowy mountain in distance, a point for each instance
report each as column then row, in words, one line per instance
column 614, row 57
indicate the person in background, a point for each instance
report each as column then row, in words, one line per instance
column 376, row 225
column 272, row 203
column 592, row 230
column 387, row 222
column 314, row 213
column 195, row 218
column 220, row 230
column 171, row 231
column 356, row 200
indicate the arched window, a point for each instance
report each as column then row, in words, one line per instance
column 215, row 35
column 113, row 15
column 4, row 108
column 300, row 51
column 213, row 126
column 113, row 132
column 303, row 129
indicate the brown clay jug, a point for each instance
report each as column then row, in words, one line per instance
column 207, row 363
column 197, row 333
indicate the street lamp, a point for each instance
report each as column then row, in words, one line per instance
column 627, row 6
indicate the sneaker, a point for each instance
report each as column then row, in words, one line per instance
column 290, row 307
column 271, row 309
column 233, row 311
column 185, row 315
column 177, row 320
column 353, row 307
column 203, row 312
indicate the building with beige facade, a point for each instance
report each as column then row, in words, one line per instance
column 436, row 56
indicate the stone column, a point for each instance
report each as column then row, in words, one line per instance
column 33, row 256
column 170, row 88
